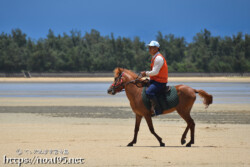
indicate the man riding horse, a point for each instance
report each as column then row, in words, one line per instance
column 182, row 102
column 158, row 76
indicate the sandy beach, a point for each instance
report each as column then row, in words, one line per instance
column 95, row 132
column 26, row 132
column 102, row 142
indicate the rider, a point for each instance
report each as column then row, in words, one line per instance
column 158, row 75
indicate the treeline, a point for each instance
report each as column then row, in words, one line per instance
column 92, row 52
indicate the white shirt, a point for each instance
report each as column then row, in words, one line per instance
column 158, row 63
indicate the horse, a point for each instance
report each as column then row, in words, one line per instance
column 125, row 79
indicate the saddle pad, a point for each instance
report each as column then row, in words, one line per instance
column 167, row 99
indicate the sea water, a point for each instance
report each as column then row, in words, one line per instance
column 222, row 92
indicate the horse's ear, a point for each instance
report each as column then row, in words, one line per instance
column 119, row 70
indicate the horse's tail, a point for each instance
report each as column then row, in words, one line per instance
column 207, row 98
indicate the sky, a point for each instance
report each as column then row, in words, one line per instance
column 126, row 18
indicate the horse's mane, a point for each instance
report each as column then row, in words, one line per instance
column 118, row 71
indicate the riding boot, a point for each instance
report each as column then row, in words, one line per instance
column 156, row 106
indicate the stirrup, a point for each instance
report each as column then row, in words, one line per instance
column 154, row 112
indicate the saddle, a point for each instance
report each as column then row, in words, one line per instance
column 167, row 99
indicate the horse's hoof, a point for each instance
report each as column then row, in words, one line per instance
column 188, row 145
column 130, row 145
column 183, row 142
column 162, row 144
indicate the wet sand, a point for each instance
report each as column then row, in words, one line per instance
column 198, row 114
column 118, row 107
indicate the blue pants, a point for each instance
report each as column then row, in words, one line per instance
column 154, row 88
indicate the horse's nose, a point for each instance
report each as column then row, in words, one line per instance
column 109, row 91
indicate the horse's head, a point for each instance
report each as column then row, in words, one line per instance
column 119, row 82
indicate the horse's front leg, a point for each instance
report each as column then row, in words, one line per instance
column 151, row 128
column 137, row 126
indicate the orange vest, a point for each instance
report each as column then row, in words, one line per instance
column 162, row 76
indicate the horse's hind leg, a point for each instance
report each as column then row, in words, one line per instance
column 190, row 125
column 192, row 129
column 184, row 135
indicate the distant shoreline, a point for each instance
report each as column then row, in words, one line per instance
column 111, row 74
column 111, row 79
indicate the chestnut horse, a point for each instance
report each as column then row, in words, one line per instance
column 125, row 79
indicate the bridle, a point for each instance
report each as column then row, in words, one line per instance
column 119, row 83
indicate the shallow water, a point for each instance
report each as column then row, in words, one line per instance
column 222, row 92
